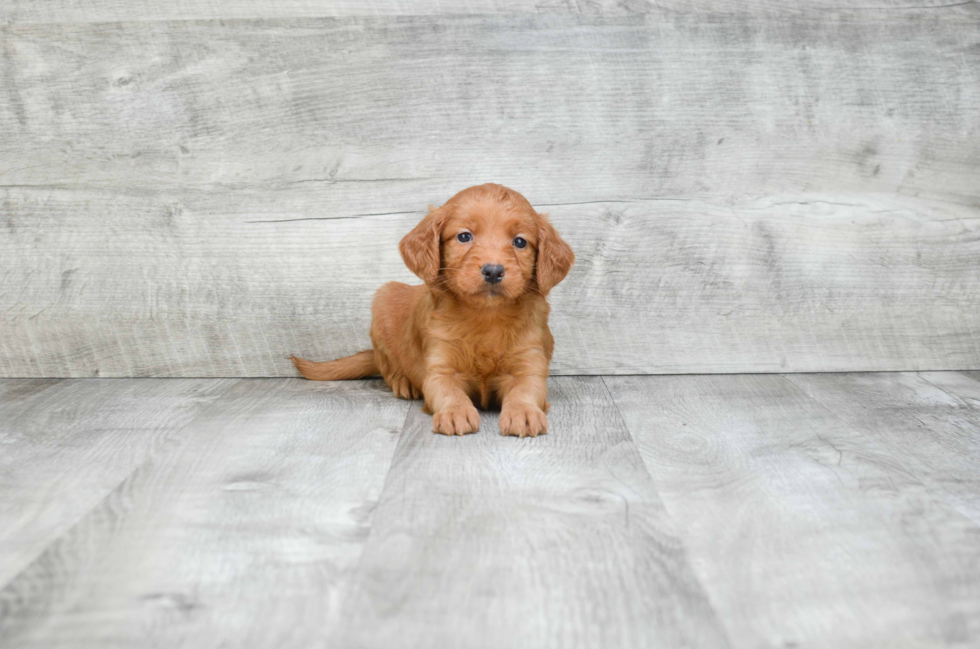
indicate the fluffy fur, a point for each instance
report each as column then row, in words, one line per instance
column 458, row 340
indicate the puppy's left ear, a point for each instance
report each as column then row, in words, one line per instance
column 555, row 257
column 422, row 247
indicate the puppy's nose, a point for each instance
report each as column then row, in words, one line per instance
column 492, row 273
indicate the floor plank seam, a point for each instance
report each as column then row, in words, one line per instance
column 384, row 485
column 84, row 516
column 151, row 458
column 692, row 569
column 356, row 566
column 956, row 397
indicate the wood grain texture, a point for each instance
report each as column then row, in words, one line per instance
column 565, row 108
column 820, row 171
column 95, row 11
column 487, row 541
column 65, row 445
column 238, row 537
column 667, row 286
column 808, row 525
column 735, row 511
column 922, row 416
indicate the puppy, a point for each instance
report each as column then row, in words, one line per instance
column 477, row 331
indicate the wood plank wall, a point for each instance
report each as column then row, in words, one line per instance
column 200, row 188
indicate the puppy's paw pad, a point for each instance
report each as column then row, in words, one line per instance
column 523, row 421
column 457, row 421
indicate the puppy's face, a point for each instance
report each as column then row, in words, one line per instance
column 489, row 248
column 487, row 243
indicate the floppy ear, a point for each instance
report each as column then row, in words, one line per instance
column 420, row 248
column 555, row 257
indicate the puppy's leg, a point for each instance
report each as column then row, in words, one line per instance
column 403, row 387
column 522, row 409
column 452, row 411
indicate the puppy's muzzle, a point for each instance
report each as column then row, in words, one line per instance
column 492, row 273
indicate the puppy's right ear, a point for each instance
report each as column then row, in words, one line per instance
column 421, row 248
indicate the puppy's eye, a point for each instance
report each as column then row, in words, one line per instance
column 519, row 242
column 464, row 237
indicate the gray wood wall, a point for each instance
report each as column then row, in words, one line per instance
column 200, row 188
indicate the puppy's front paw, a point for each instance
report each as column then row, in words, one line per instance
column 456, row 421
column 523, row 420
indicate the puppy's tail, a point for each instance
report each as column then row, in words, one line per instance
column 357, row 366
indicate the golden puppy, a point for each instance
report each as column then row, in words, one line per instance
column 477, row 330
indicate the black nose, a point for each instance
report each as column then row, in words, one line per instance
column 492, row 273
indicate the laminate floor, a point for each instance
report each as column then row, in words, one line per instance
column 803, row 510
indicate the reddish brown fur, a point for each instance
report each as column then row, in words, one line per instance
column 457, row 340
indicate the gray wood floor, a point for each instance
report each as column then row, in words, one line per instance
column 823, row 510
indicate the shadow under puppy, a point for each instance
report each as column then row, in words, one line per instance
column 477, row 330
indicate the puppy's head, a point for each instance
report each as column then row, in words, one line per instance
column 487, row 242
